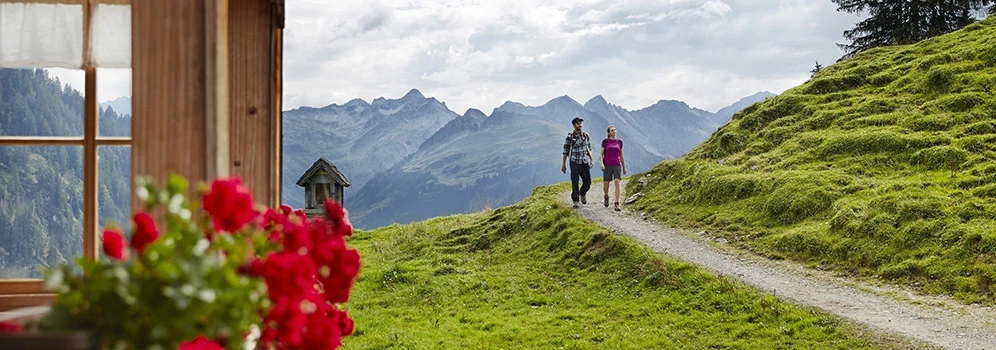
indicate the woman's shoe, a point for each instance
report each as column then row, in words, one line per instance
column 617, row 207
column 606, row 201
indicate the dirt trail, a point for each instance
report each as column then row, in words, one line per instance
column 934, row 320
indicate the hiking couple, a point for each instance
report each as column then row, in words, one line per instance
column 577, row 148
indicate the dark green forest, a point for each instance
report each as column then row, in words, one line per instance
column 41, row 187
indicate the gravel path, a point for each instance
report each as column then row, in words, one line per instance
column 934, row 320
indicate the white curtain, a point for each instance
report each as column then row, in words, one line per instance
column 110, row 45
column 51, row 35
column 41, row 35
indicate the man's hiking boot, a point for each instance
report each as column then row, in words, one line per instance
column 584, row 200
column 606, row 201
column 617, row 207
column 575, row 204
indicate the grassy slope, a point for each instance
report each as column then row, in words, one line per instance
column 536, row 275
column 881, row 165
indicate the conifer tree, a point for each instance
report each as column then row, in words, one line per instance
column 816, row 69
column 901, row 22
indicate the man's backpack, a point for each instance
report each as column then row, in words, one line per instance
column 583, row 135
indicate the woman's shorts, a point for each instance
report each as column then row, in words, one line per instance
column 612, row 172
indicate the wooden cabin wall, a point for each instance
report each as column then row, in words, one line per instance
column 255, row 112
column 168, row 90
column 174, row 121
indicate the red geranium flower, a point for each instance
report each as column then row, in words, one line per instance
column 200, row 343
column 10, row 327
column 145, row 232
column 337, row 216
column 114, row 244
column 314, row 270
column 288, row 274
column 230, row 204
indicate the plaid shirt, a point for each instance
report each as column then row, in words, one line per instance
column 577, row 147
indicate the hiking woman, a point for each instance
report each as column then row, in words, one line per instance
column 613, row 164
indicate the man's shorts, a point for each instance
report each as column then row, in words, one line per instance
column 612, row 172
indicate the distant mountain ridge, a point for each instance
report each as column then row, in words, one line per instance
column 361, row 138
column 412, row 158
column 120, row 105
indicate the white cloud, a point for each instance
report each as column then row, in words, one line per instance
column 480, row 53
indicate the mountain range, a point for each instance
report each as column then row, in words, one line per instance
column 412, row 158
column 121, row 105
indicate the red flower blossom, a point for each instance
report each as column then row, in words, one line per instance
column 114, row 244
column 10, row 327
column 288, row 274
column 299, row 213
column 200, row 343
column 296, row 237
column 286, row 209
column 341, row 276
column 145, row 232
column 229, row 204
column 338, row 217
column 314, row 271
column 253, row 268
column 326, row 329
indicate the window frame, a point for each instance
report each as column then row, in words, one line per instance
column 16, row 293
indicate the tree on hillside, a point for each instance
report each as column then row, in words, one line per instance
column 901, row 22
column 816, row 69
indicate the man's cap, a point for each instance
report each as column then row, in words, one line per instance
column 576, row 120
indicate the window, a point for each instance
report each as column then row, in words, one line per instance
column 61, row 154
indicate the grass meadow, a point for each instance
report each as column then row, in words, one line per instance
column 536, row 275
column 882, row 166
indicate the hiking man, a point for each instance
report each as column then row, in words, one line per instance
column 577, row 146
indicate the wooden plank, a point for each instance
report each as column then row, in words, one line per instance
column 168, row 95
column 251, row 93
column 21, row 286
column 114, row 141
column 276, row 122
column 217, row 97
column 90, row 186
column 40, row 141
column 61, row 141
column 17, row 301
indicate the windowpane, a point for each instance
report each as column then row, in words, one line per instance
column 39, row 102
column 114, row 178
column 114, row 94
column 41, row 208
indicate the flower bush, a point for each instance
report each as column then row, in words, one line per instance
column 212, row 275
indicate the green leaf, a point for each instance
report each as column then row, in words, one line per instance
column 176, row 184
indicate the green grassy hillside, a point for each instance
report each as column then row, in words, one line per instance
column 881, row 165
column 536, row 275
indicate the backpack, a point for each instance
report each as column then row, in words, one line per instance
column 584, row 135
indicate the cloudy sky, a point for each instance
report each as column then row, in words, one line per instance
column 480, row 53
